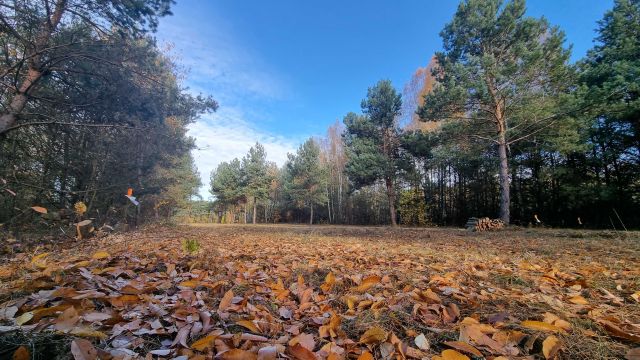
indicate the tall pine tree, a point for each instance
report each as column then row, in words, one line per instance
column 502, row 71
column 373, row 141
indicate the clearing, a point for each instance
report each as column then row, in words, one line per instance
column 335, row 292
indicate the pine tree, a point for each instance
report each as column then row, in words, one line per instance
column 256, row 177
column 305, row 178
column 372, row 141
column 502, row 71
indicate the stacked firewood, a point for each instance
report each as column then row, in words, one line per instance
column 484, row 224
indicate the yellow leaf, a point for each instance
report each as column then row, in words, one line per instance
column 24, row 318
column 579, row 300
column 550, row 347
column 453, row 355
column 249, row 325
column 539, row 325
column 329, row 281
column 189, row 284
column 204, row 343
column 238, row 354
column 101, row 255
column 40, row 261
column 82, row 263
column 367, row 283
column 374, row 335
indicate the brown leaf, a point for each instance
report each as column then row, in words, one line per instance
column 301, row 353
column 249, row 325
column 464, row 347
column 578, row 300
column 181, row 337
column 367, row 283
column 306, row 340
column 67, row 320
column 268, row 353
column 22, row 353
column 365, row 356
column 225, row 301
column 124, row 300
column 451, row 355
column 39, row 209
column 615, row 330
column 82, row 349
column 633, row 354
column 237, row 354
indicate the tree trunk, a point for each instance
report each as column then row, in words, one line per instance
column 34, row 73
column 311, row 217
column 254, row 211
column 504, row 178
column 392, row 201
column 19, row 101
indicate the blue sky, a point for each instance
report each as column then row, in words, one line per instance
column 283, row 71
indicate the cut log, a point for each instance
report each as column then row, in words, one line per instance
column 84, row 229
column 484, row 224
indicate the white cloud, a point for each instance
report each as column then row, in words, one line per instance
column 226, row 135
column 218, row 64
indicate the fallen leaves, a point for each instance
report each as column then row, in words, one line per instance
column 22, row 353
column 225, row 301
column 451, row 355
column 374, row 335
column 540, row 325
column 101, row 255
column 421, row 342
column 300, row 352
column 82, row 349
column 265, row 297
column 39, row 209
column 367, row 283
column 550, row 347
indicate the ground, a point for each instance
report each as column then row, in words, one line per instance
column 338, row 292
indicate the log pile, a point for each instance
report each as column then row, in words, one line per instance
column 484, row 224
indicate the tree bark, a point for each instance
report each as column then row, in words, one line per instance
column 311, row 217
column 254, row 211
column 392, row 201
column 34, row 72
column 504, row 178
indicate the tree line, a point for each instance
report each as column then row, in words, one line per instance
column 91, row 106
column 498, row 124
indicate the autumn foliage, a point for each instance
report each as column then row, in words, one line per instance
column 328, row 293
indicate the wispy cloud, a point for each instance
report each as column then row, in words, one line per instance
column 217, row 63
column 225, row 135
column 245, row 86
